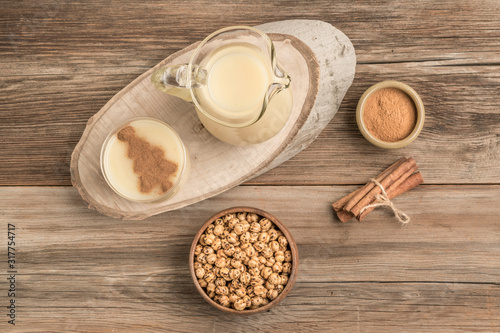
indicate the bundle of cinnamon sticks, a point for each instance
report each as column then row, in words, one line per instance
column 400, row 177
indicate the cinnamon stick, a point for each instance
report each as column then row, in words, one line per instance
column 402, row 178
column 344, row 216
column 368, row 187
column 405, row 183
column 393, row 191
column 339, row 204
column 386, row 182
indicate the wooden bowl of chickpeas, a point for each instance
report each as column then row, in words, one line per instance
column 243, row 260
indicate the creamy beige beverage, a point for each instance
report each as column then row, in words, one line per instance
column 144, row 160
column 238, row 79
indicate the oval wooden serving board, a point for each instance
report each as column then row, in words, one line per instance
column 215, row 165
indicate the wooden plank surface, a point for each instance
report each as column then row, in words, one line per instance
column 81, row 271
column 61, row 61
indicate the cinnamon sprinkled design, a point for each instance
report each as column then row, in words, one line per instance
column 150, row 164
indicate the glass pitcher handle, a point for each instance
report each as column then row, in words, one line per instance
column 177, row 81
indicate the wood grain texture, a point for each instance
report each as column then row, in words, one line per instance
column 81, row 271
column 61, row 61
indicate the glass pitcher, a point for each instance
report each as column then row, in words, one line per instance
column 241, row 94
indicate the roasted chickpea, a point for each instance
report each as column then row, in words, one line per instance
column 202, row 283
column 240, row 292
column 266, row 252
column 229, row 250
column 220, row 282
column 251, row 217
column 217, row 244
column 220, row 262
column 239, row 228
column 202, row 257
column 257, row 280
column 274, row 245
column 218, row 230
column 287, row 268
column 272, row 294
column 211, row 258
column 273, row 234
column 228, row 217
column 245, row 237
column 200, row 272
column 224, row 301
column 255, row 227
column 259, row 290
column 222, row 290
column 270, row 262
column 234, row 274
column 209, row 239
column 233, row 297
column 244, row 246
column 265, row 272
column 240, row 304
column 277, row 267
column 211, row 287
column 198, row 249
column 279, row 256
column 209, row 277
column 257, row 300
column 245, row 278
column 274, row 278
column 251, row 291
column 236, row 284
column 232, row 223
column 246, row 226
column 250, row 251
column 254, row 271
column 269, row 285
column 254, row 236
column 259, row 246
column 253, row 262
column 224, row 273
column 282, row 241
column 210, row 229
column 235, row 263
column 265, row 224
column 239, row 254
column 232, row 238
column 264, row 237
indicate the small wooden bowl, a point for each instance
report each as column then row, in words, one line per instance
column 280, row 226
column 419, row 105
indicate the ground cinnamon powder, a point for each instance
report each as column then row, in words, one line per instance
column 390, row 114
column 150, row 164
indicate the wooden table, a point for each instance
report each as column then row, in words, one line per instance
column 79, row 271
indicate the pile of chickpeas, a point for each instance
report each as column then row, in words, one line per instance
column 242, row 261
